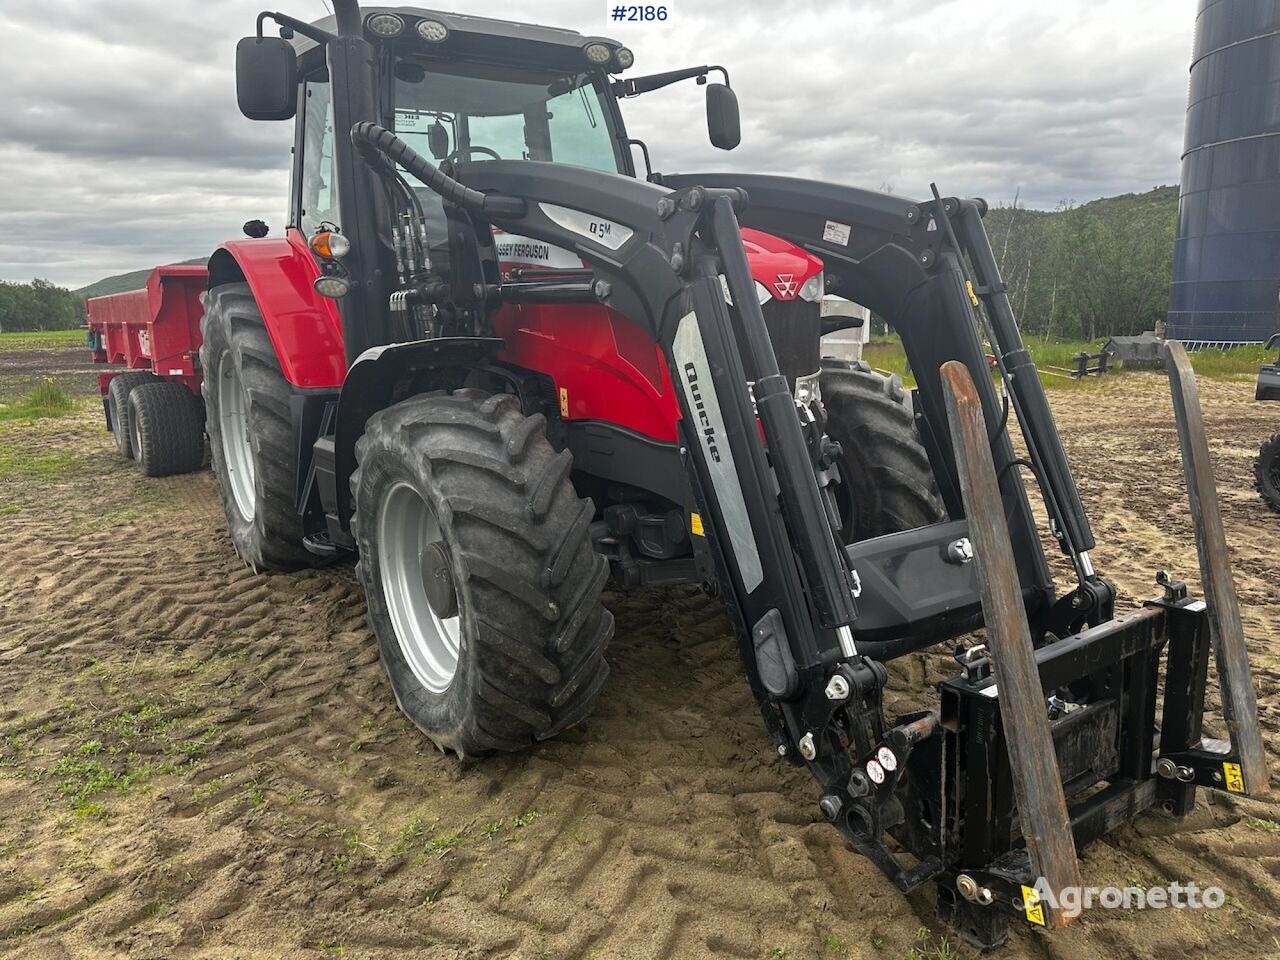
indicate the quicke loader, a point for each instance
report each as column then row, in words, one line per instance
column 505, row 374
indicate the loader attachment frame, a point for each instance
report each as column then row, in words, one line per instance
column 1049, row 736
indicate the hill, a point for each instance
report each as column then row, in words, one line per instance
column 122, row 282
column 1088, row 271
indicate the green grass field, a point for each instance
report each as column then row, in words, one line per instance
column 1239, row 363
column 40, row 340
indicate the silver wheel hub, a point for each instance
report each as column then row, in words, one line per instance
column 237, row 450
column 412, row 560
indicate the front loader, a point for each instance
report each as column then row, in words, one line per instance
column 499, row 378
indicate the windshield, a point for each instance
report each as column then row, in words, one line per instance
column 475, row 112
column 479, row 112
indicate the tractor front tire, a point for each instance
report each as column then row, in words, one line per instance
column 166, row 429
column 887, row 483
column 1266, row 472
column 482, row 583
column 250, row 437
column 118, row 405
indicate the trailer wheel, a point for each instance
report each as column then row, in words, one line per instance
column 250, row 438
column 166, row 429
column 482, row 584
column 887, row 481
column 1266, row 471
column 118, row 406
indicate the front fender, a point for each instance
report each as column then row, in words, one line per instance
column 304, row 327
column 384, row 375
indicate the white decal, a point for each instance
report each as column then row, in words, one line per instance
column 835, row 232
column 602, row 231
column 708, row 423
column 786, row 286
column 875, row 771
column 887, row 759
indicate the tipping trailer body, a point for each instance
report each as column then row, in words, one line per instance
column 156, row 329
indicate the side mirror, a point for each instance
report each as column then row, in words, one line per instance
column 266, row 78
column 724, row 124
column 438, row 140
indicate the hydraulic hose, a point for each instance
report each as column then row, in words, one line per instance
column 368, row 136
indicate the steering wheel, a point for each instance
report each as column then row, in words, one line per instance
column 465, row 151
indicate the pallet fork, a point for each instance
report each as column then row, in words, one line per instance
column 1009, row 707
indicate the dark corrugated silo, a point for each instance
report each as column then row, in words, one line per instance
column 1226, row 271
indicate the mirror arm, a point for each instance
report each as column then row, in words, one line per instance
column 287, row 22
column 644, row 150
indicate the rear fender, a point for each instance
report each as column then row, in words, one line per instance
column 304, row 327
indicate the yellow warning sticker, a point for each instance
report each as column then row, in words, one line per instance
column 1032, row 906
column 695, row 525
column 1235, row 779
column 968, row 285
column 564, row 402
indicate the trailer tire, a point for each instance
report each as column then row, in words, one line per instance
column 166, row 429
column 510, row 648
column 240, row 363
column 118, row 406
column 1266, row 472
column 887, row 482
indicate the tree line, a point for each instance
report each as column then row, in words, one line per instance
column 1076, row 273
column 38, row 305
column 1085, row 272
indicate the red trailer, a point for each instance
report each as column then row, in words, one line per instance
column 152, row 399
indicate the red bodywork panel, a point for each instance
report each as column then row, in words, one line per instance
column 604, row 365
column 304, row 327
column 156, row 329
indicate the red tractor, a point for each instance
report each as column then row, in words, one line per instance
column 506, row 374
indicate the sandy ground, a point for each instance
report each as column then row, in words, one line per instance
column 199, row 761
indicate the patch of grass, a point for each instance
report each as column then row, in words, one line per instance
column 926, row 948
column 1238, row 363
column 21, row 461
column 1266, row 826
column 19, row 340
column 834, row 944
column 48, row 399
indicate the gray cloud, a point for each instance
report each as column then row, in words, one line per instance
column 121, row 145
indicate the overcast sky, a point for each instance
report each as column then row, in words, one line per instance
column 121, row 145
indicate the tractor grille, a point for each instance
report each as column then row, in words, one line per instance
column 795, row 329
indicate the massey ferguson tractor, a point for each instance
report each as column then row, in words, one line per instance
column 498, row 367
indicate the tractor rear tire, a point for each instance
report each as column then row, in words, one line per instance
column 118, row 404
column 254, row 460
column 887, row 484
column 1266, row 472
column 166, row 429
column 482, row 583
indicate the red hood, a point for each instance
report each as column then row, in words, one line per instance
column 780, row 266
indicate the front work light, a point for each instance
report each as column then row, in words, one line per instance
column 626, row 59
column 385, row 24
column 598, row 53
column 333, row 287
column 433, row 31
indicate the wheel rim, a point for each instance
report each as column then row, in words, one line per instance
column 233, row 419
column 407, row 531
column 135, row 437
